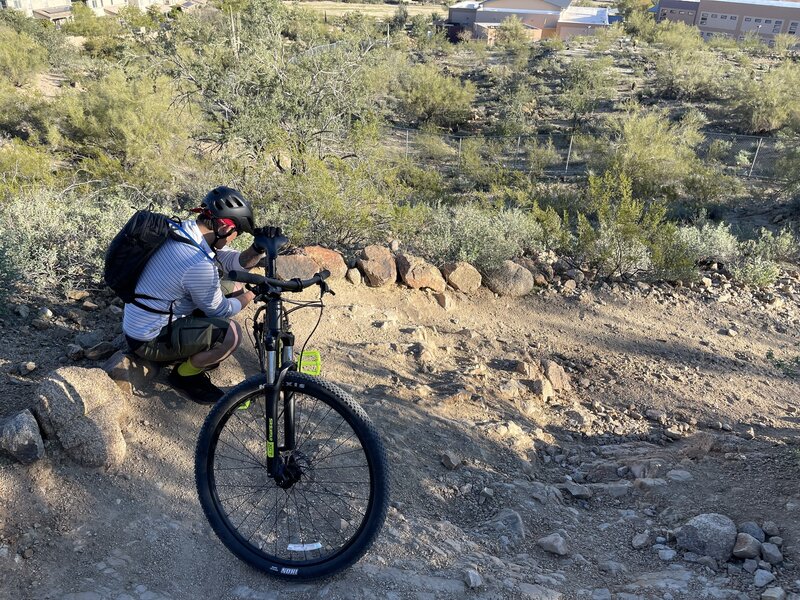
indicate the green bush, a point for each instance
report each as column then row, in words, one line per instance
column 482, row 237
column 756, row 271
column 46, row 246
column 22, row 165
column 20, row 56
column 425, row 94
column 707, row 241
column 770, row 103
column 625, row 237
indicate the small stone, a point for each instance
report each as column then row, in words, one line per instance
column 601, row 594
column 773, row 593
column 777, row 540
column 353, row 276
column 667, row 554
column 23, row 311
column 77, row 295
column 770, row 528
column 26, row 367
column 89, row 306
column 44, row 313
column 640, row 540
column 487, row 493
column 553, row 543
column 444, row 300
column 473, row 579
column 40, row 324
column 578, row 491
column 679, row 475
column 27, row 553
column 762, row 578
column 450, row 460
column 746, row 546
column 74, row 352
column 709, row 534
column 771, row 553
column 752, row 528
column 706, row 282
column 750, row 565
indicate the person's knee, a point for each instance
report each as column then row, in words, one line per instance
column 233, row 337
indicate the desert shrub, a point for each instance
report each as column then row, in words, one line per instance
column 20, row 56
column 709, row 241
column 335, row 203
column 425, row 94
column 24, row 114
column 626, row 237
column 22, row 165
column 482, row 237
column 653, row 152
column 770, row 103
column 481, row 166
column 122, row 129
column 540, row 156
column 685, row 67
column 47, row 248
column 45, row 33
column 586, row 83
column 756, row 271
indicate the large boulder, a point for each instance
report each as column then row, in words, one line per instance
column 709, row 534
column 327, row 259
column 20, row 437
column 462, row 276
column 82, row 409
column 291, row 266
column 378, row 266
column 509, row 279
column 418, row 274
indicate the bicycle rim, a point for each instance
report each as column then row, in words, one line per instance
column 322, row 515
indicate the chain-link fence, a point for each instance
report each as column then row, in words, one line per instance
column 558, row 154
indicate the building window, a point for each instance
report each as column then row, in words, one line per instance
column 734, row 17
column 724, row 17
column 747, row 19
column 671, row 11
column 793, row 27
column 713, row 16
column 758, row 20
column 767, row 21
column 681, row 12
column 704, row 15
column 776, row 29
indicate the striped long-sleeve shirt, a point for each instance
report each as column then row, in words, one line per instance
column 182, row 273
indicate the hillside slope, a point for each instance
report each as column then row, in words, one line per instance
column 674, row 409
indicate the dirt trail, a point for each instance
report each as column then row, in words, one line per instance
column 437, row 381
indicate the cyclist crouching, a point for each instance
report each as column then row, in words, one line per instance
column 190, row 316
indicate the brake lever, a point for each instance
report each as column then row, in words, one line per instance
column 325, row 289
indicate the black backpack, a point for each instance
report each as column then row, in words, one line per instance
column 131, row 248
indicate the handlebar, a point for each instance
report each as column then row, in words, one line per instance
column 293, row 285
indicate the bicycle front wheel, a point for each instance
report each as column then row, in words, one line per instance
column 334, row 509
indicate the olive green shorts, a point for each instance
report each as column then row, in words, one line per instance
column 186, row 337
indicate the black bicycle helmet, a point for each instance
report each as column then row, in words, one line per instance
column 227, row 203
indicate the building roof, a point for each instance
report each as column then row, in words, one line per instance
column 585, row 15
column 496, row 25
column 519, row 11
column 54, row 12
column 775, row 3
column 473, row 5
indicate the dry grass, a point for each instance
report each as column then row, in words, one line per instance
column 335, row 9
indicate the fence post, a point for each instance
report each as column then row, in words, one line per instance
column 569, row 154
column 406, row 143
column 755, row 156
column 459, row 152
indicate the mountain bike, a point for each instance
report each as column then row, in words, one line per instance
column 291, row 473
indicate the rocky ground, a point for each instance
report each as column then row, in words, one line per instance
column 559, row 445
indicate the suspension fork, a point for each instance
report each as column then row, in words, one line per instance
column 278, row 343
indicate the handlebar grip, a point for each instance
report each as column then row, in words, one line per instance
column 245, row 277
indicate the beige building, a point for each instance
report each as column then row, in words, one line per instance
column 735, row 18
column 60, row 10
column 542, row 18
